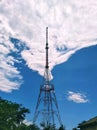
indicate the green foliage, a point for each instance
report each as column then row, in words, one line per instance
column 11, row 115
column 74, row 129
column 22, row 127
column 61, row 127
column 51, row 127
column 33, row 127
column 25, row 127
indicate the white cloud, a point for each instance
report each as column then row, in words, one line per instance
column 77, row 97
column 72, row 25
column 10, row 78
column 26, row 122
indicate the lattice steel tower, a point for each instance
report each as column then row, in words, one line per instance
column 47, row 107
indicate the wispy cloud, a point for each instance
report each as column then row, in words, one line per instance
column 26, row 122
column 10, row 77
column 77, row 97
column 72, row 26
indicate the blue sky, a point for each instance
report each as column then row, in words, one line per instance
column 72, row 30
column 77, row 75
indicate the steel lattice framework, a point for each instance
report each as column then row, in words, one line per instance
column 47, row 106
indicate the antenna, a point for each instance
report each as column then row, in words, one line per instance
column 47, row 107
column 47, row 48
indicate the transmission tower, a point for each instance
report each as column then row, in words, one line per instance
column 47, row 106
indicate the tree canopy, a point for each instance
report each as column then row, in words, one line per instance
column 11, row 115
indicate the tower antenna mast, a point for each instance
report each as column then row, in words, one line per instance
column 47, row 48
column 47, row 106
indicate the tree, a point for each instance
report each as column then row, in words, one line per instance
column 62, row 127
column 74, row 129
column 29, row 127
column 33, row 127
column 11, row 115
column 47, row 127
column 22, row 127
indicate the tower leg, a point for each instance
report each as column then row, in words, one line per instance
column 47, row 106
column 37, row 106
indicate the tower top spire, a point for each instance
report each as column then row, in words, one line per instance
column 46, row 66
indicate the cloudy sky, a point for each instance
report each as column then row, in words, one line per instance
column 73, row 50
